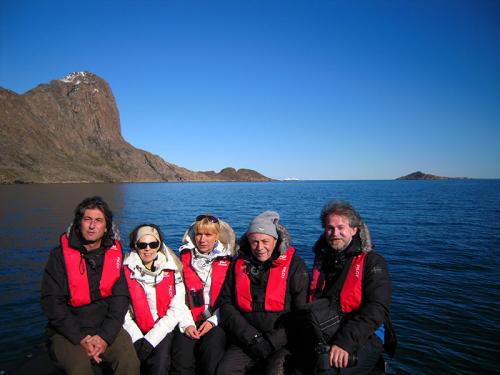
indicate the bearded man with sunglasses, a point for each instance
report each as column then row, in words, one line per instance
column 85, row 297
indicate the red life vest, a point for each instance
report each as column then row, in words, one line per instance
column 76, row 270
column 193, row 281
column 276, row 284
column 351, row 293
column 165, row 291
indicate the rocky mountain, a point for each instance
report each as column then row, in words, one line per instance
column 231, row 174
column 69, row 131
column 425, row 176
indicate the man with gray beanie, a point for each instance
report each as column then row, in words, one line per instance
column 266, row 283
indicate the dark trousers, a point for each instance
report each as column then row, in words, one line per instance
column 120, row 356
column 236, row 361
column 198, row 356
column 368, row 356
column 158, row 362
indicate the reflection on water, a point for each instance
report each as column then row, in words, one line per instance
column 34, row 215
column 441, row 240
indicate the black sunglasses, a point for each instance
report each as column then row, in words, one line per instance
column 144, row 245
column 210, row 218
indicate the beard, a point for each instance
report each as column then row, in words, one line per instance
column 338, row 244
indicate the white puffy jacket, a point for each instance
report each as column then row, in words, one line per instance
column 177, row 313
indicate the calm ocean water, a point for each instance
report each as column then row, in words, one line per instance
column 441, row 240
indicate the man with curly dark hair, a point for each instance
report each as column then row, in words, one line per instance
column 85, row 295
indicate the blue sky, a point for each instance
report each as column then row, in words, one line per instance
column 316, row 89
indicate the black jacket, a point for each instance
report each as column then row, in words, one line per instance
column 103, row 316
column 358, row 325
column 243, row 326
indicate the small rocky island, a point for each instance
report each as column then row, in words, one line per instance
column 69, row 131
column 425, row 176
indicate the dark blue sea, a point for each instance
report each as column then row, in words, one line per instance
column 441, row 240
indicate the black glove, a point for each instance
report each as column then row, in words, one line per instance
column 138, row 345
column 144, row 350
column 259, row 348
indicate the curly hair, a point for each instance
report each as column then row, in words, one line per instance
column 343, row 209
column 90, row 203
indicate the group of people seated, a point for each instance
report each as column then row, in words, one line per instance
column 218, row 306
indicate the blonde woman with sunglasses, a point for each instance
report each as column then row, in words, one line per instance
column 157, row 298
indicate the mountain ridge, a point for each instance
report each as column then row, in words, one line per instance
column 69, row 131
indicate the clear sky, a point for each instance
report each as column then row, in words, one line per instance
column 313, row 89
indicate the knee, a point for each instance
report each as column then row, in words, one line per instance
column 217, row 331
column 215, row 338
column 122, row 354
column 183, row 346
column 69, row 357
column 129, row 359
column 75, row 365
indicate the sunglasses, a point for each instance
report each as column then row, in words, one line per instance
column 210, row 218
column 144, row 245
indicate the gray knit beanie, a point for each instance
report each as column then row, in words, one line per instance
column 265, row 223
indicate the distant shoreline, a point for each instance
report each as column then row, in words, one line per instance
column 222, row 181
column 418, row 175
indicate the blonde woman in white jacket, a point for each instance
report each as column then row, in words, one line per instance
column 209, row 244
column 157, row 299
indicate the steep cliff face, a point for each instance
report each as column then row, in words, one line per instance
column 69, row 131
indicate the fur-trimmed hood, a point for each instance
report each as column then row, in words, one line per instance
column 363, row 238
column 227, row 238
column 283, row 244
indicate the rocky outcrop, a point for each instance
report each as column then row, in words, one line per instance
column 69, row 131
column 425, row 176
column 231, row 174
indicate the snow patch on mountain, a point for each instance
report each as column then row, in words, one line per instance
column 76, row 78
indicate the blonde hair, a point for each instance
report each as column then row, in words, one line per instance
column 206, row 225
